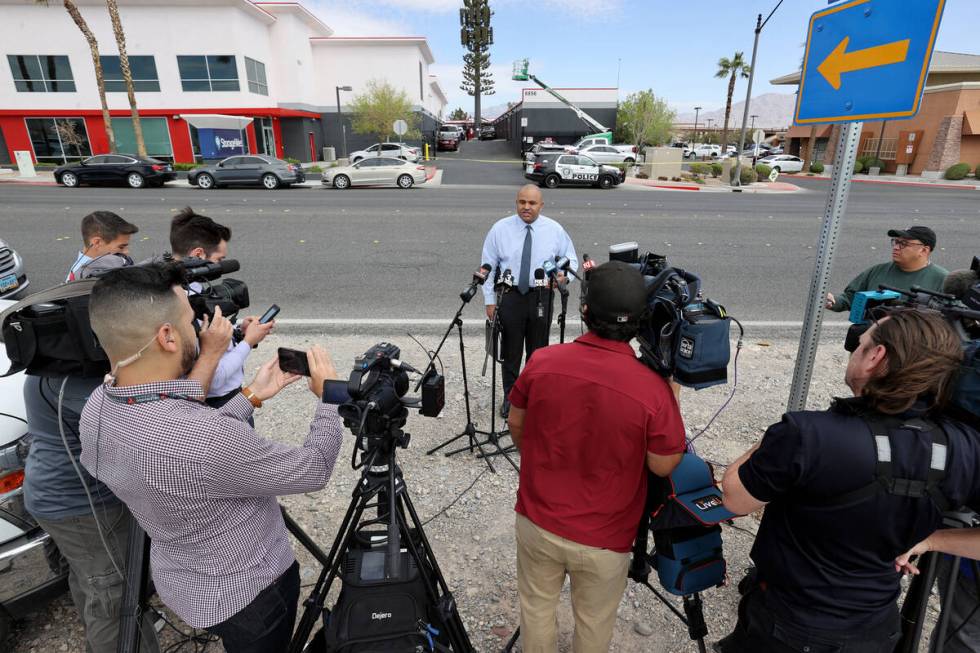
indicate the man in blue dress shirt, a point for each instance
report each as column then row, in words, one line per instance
column 522, row 243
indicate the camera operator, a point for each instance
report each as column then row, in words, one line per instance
column 199, row 480
column 589, row 419
column 103, row 233
column 910, row 266
column 848, row 489
column 198, row 236
column 520, row 243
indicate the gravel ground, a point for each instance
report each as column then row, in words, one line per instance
column 473, row 540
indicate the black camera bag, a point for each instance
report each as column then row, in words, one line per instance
column 49, row 333
column 375, row 614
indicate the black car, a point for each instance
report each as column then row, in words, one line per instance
column 129, row 169
column 252, row 170
column 553, row 170
column 488, row 133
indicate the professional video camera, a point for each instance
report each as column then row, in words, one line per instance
column 49, row 334
column 393, row 595
column 200, row 277
column 685, row 336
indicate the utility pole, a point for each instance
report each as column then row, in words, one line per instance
column 697, row 111
column 476, row 36
column 754, row 116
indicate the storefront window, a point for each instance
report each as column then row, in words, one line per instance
column 142, row 67
column 208, row 73
column 58, row 140
column 255, row 73
column 34, row 73
column 156, row 136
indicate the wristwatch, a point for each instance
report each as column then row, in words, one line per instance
column 255, row 401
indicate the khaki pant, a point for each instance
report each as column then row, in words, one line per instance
column 598, row 579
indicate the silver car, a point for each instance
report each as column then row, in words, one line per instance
column 13, row 278
column 375, row 171
column 30, row 573
column 251, row 170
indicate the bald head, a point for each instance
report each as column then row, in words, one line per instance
column 529, row 203
column 129, row 305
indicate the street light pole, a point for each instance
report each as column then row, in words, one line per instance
column 340, row 117
column 759, row 24
column 697, row 110
column 754, row 116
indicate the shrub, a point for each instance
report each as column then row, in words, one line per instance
column 871, row 162
column 290, row 159
column 676, row 179
column 816, row 167
column 858, row 166
column 700, row 168
column 314, row 169
column 662, row 178
column 716, row 169
column 186, row 166
column 763, row 170
column 957, row 171
column 747, row 175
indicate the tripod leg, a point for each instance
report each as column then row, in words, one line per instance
column 137, row 590
column 696, row 627
column 916, row 602
column 512, row 641
column 948, row 596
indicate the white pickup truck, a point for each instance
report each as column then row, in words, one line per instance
column 589, row 141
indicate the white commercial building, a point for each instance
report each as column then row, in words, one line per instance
column 212, row 78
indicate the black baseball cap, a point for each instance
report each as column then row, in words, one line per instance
column 616, row 292
column 924, row 235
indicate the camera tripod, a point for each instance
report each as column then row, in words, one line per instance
column 382, row 486
column 470, row 431
column 137, row 591
column 917, row 598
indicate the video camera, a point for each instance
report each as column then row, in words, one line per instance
column 685, row 335
column 375, row 406
column 230, row 294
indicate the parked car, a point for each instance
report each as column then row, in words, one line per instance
column 13, row 277
column 415, row 153
column 488, row 133
column 777, row 150
column 609, row 154
column 29, row 579
column 542, row 147
column 252, row 170
column 703, row 151
column 375, row 171
column 553, row 170
column 783, row 162
column 397, row 150
column 751, row 150
column 447, row 139
column 129, row 169
column 593, row 141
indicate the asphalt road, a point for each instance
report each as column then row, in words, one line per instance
column 365, row 255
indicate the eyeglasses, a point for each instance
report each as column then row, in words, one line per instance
column 902, row 244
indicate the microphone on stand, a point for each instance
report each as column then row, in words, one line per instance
column 588, row 265
column 539, row 284
column 479, row 278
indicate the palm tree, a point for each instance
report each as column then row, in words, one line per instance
column 93, row 47
column 127, row 74
column 731, row 68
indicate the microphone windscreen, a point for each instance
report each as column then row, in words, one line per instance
column 959, row 282
column 539, row 274
column 230, row 265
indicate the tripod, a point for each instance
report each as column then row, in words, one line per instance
column 136, row 593
column 382, row 486
column 469, row 431
column 493, row 435
column 917, row 598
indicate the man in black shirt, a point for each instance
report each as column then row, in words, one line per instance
column 848, row 489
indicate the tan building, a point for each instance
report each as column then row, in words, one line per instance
column 945, row 131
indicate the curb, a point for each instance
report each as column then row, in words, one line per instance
column 657, row 186
column 921, row 184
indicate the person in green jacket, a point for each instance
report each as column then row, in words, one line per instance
column 909, row 267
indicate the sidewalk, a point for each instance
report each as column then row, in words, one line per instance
column 777, row 187
column 910, row 180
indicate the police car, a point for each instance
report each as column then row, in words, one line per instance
column 552, row 170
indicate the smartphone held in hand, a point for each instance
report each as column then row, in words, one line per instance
column 293, row 361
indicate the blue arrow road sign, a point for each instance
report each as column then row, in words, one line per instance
column 867, row 60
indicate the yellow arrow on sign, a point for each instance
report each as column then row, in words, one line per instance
column 841, row 61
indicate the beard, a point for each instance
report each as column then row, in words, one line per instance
column 188, row 356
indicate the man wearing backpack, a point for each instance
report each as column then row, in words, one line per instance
column 848, row 489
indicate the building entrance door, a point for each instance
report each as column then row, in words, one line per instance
column 265, row 136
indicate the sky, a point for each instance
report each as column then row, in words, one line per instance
column 669, row 47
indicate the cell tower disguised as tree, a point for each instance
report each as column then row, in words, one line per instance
column 476, row 35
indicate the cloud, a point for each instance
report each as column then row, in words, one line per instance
column 346, row 18
column 506, row 90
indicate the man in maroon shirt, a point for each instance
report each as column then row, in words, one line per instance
column 589, row 420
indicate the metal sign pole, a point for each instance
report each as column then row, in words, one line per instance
column 836, row 205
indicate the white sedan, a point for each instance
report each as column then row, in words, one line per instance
column 607, row 154
column 399, row 150
column 783, row 162
column 375, row 171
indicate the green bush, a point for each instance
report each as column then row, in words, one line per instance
column 858, row 166
column 957, row 171
column 700, row 168
column 290, row 159
column 763, row 170
column 816, row 167
column 871, row 162
column 186, row 166
column 747, row 175
column 717, row 169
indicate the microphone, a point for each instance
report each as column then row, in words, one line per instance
column 587, row 265
column 506, row 279
column 959, row 282
column 564, row 264
column 549, row 268
column 201, row 270
column 539, row 283
column 402, row 365
column 479, row 278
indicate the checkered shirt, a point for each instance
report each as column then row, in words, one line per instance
column 203, row 485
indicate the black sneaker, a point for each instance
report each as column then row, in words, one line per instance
column 504, row 408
